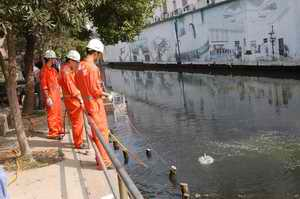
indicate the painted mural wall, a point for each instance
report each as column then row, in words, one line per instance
column 240, row 31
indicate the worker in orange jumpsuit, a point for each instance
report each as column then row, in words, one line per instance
column 52, row 96
column 72, row 97
column 89, row 83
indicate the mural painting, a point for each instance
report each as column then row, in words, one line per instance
column 240, row 31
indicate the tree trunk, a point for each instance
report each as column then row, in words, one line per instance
column 10, row 71
column 29, row 102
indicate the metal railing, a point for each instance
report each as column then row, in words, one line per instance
column 127, row 188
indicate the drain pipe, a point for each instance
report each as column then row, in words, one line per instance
column 178, row 57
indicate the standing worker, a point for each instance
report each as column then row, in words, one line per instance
column 72, row 98
column 51, row 93
column 89, row 83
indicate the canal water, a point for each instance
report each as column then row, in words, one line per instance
column 249, row 125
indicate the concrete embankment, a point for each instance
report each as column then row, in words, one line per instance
column 278, row 71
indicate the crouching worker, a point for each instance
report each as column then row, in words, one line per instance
column 72, row 97
column 52, row 96
column 89, row 83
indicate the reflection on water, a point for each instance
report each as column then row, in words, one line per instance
column 249, row 125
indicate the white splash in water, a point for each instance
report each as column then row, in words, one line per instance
column 206, row 160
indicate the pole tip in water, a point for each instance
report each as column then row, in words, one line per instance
column 126, row 157
column 173, row 171
column 116, row 145
column 149, row 152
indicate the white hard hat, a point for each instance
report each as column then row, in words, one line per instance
column 74, row 55
column 50, row 54
column 96, row 45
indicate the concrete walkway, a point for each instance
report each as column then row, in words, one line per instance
column 76, row 177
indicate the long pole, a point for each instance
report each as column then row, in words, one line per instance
column 133, row 190
column 99, row 158
column 86, row 129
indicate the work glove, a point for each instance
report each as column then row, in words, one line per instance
column 81, row 103
column 49, row 102
column 110, row 97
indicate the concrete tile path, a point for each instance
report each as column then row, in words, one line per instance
column 76, row 177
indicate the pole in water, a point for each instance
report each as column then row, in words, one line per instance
column 116, row 145
column 110, row 138
column 173, row 171
column 186, row 196
column 126, row 157
column 184, row 188
column 172, row 175
column 149, row 153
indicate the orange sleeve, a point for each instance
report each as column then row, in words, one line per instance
column 76, row 78
column 77, row 75
column 43, row 80
column 95, row 83
column 69, row 83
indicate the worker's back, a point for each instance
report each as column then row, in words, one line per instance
column 88, row 80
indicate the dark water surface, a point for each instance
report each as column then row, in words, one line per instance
column 250, row 126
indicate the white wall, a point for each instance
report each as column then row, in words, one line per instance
column 222, row 34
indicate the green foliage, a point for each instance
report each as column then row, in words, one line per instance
column 62, row 43
column 47, row 20
column 38, row 16
column 115, row 20
column 121, row 20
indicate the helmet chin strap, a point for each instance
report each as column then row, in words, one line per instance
column 99, row 62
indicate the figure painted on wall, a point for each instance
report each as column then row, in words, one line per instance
column 238, row 50
column 125, row 53
column 286, row 50
column 135, row 54
column 267, row 51
column 139, row 49
column 122, row 53
column 161, row 47
column 146, row 54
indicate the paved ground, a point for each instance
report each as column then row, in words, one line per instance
column 76, row 177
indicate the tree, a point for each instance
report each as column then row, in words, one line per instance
column 121, row 20
column 9, row 70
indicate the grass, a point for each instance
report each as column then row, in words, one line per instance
column 40, row 159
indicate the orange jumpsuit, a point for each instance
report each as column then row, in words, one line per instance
column 49, row 84
column 71, row 95
column 89, row 83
